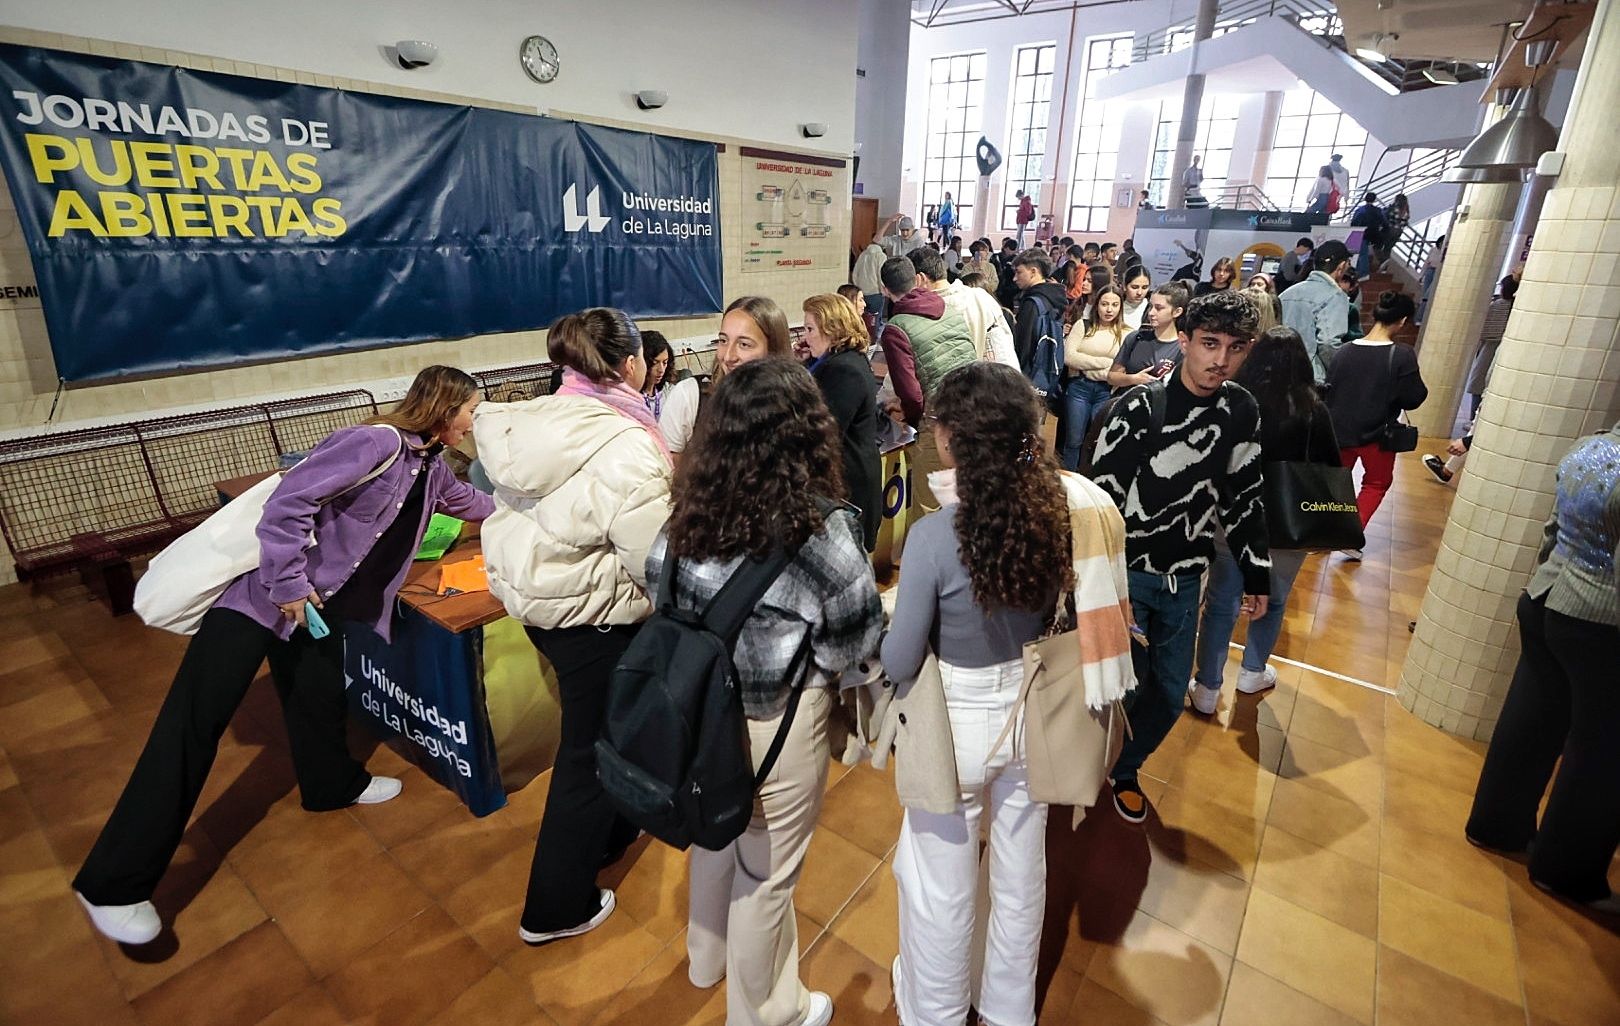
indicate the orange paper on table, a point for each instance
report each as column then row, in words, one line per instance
column 467, row 575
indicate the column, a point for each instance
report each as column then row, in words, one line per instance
column 1269, row 112
column 1557, row 378
column 1192, row 103
column 1474, row 253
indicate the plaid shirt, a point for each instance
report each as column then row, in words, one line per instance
column 827, row 590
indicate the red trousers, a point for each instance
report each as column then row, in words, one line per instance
column 1377, row 474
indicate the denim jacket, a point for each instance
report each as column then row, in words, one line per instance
column 310, row 541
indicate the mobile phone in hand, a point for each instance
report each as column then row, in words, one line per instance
column 312, row 620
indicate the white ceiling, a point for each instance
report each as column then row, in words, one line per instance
column 1434, row 29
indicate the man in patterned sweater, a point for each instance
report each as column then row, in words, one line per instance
column 1181, row 456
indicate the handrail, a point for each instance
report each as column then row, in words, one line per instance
column 1243, row 196
column 1426, row 170
column 1316, row 20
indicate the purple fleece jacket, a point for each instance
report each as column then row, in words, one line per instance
column 345, row 528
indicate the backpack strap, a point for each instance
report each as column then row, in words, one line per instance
column 780, row 740
column 1157, row 401
column 735, row 601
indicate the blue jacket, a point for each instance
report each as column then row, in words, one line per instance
column 1318, row 309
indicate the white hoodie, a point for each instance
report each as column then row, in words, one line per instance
column 580, row 493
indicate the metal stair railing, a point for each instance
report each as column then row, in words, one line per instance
column 1242, row 196
column 1409, row 178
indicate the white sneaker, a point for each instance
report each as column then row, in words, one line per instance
column 126, row 924
column 381, row 789
column 1251, row 683
column 820, row 1013
column 608, row 903
column 1205, row 700
column 1353, row 555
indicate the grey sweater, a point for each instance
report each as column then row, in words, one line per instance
column 935, row 608
column 1578, row 558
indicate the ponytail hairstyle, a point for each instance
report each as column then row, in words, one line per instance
column 594, row 342
column 1012, row 517
column 433, row 398
column 1393, row 307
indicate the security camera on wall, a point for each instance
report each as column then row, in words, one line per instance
column 814, row 129
column 414, row 53
column 651, row 99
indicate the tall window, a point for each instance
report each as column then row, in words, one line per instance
column 955, row 116
column 1096, row 151
column 1310, row 130
column 1026, row 144
column 1217, row 127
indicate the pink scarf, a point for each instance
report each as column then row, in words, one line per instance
column 626, row 402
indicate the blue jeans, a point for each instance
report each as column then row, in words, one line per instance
column 1319, row 205
column 1364, row 258
column 1221, row 601
column 1082, row 398
column 1167, row 609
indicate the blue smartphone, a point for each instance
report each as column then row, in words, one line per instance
column 312, row 620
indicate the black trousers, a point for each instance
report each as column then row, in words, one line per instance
column 1564, row 700
column 579, row 827
column 140, row 838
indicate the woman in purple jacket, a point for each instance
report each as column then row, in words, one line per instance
column 365, row 495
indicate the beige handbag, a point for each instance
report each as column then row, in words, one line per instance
column 1068, row 748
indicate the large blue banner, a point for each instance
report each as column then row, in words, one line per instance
column 181, row 219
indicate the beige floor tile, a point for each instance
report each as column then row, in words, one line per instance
column 1253, row 998
column 1165, row 972
column 1358, row 779
column 1469, row 945
column 861, row 807
column 314, row 1007
column 1096, row 1005
column 411, row 975
column 1315, row 878
column 1570, row 962
column 616, row 952
column 254, row 974
column 1413, row 747
column 1226, row 776
column 1314, row 720
column 1187, row 828
column 1310, row 953
column 1197, row 899
column 858, row 986
column 870, row 923
column 1413, row 993
column 835, row 869
column 661, row 992
column 1445, row 865
column 1337, row 824
column 377, row 898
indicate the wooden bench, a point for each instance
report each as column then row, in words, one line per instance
column 92, row 500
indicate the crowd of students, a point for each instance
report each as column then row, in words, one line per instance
column 622, row 480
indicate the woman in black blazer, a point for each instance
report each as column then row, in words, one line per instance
column 838, row 341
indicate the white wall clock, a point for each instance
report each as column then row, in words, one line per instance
column 539, row 58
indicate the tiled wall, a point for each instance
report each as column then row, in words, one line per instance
column 1557, row 378
column 28, row 384
column 1474, row 252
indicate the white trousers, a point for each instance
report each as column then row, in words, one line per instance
column 937, row 869
column 741, row 924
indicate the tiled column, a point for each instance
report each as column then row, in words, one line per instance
column 1474, row 252
column 1557, row 378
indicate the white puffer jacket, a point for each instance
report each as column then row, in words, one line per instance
column 580, row 493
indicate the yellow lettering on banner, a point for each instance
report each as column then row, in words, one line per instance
column 160, row 216
column 190, row 218
column 229, row 212
column 125, row 214
column 72, row 213
column 266, row 206
column 238, row 159
column 119, row 175
column 302, row 167
column 40, row 154
column 293, row 218
column 331, row 224
column 153, row 166
column 267, row 172
column 197, row 165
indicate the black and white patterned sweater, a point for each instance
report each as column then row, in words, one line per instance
column 1202, row 469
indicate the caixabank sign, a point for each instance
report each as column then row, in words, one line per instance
column 180, row 219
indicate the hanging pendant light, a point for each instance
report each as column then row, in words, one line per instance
column 1482, row 175
column 1522, row 135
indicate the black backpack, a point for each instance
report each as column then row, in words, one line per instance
column 673, row 756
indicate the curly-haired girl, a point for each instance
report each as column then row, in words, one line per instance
column 762, row 465
column 981, row 578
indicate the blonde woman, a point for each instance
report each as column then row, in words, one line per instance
column 752, row 328
column 838, row 343
column 1089, row 351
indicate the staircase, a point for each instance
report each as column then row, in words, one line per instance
column 1374, row 286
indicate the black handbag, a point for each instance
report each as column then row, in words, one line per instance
column 1397, row 436
column 1311, row 505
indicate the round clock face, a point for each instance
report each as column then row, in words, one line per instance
column 539, row 59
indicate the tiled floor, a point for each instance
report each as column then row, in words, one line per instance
column 1304, row 864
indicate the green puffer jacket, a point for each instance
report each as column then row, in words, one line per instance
column 940, row 344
